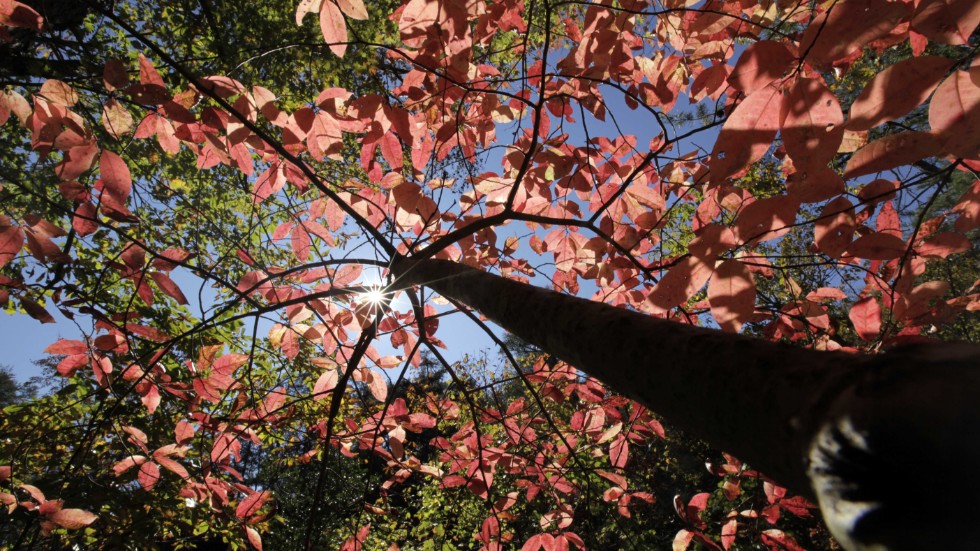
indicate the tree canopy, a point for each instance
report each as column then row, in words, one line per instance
column 262, row 227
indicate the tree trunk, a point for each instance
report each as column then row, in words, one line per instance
column 888, row 444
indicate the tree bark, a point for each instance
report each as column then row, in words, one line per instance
column 887, row 443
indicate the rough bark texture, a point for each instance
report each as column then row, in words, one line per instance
column 884, row 442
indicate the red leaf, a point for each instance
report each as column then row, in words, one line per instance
column 418, row 17
column 67, row 347
column 77, row 161
column 149, row 475
column 269, row 182
column 333, row 27
column 897, row 90
column 253, row 538
column 11, row 240
column 170, row 258
column 168, row 286
column 887, row 221
column 149, row 333
column 619, row 452
column 347, row 274
column 866, row 317
column 968, row 209
column 947, row 21
column 814, row 184
column 148, row 73
column 835, row 227
column 766, row 219
column 943, row 244
column 731, row 293
column 811, row 123
column 35, row 310
column 68, row 366
column 391, row 150
column 747, row 134
column 759, row 65
column 682, row 540
column 878, row 191
column 12, row 102
column 114, row 75
column 779, row 541
column 892, row 151
column 58, row 93
column 954, row 113
column 151, row 399
column 301, row 243
column 325, row 383
column 877, row 246
column 679, row 284
column 378, row 386
column 539, row 541
column 305, row 7
column 250, row 505
column 85, row 220
column 356, row 542
column 353, row 8
column 128, row 463
column 17, row 14
column 227, row 364
column 183, row 432
column 34, row 492
column 728, row 532
column 848, row 26
column 116, row 119
column 72, row 519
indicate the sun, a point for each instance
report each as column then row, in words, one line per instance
column 374, row 295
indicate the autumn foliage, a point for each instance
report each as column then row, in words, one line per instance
column 793, row 171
